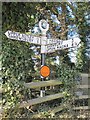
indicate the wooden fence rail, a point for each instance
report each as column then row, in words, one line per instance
column 34, row 85
column 41, row 100
column 42, row 84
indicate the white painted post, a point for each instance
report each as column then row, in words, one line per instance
column 44, row 26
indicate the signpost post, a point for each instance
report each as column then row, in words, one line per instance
column 47, row 45
column 44, row 26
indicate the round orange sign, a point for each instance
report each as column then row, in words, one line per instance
column 45, row 71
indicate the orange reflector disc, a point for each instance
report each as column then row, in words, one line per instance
column 45, row 71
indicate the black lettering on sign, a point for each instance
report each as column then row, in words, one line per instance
column 59, row 44
column 9, row 32
column 51, row 48
column 34, row 40
column 16, row 34
column 31, row 39
column 72, row 43
column 13, row 35
column 23, row 37
column 27, row 38
column 75, row 44
column 20, row 37
column 38, row 40
column 54, row 40
column 59, row 47
column 50, row 41
column 65, row 46
column 47, row 48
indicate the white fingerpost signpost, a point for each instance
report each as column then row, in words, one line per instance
column 47, row 45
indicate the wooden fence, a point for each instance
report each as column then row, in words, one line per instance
column 53, row 83
column 35, row 85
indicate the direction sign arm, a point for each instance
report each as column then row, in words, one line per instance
column 23, row 37
column 61, row 44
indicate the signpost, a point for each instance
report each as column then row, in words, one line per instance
column 47, row 46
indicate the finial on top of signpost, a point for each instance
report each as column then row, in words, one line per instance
column 44, row 26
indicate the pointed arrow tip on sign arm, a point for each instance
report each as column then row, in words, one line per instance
column 6, row 33
column 77, row 41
